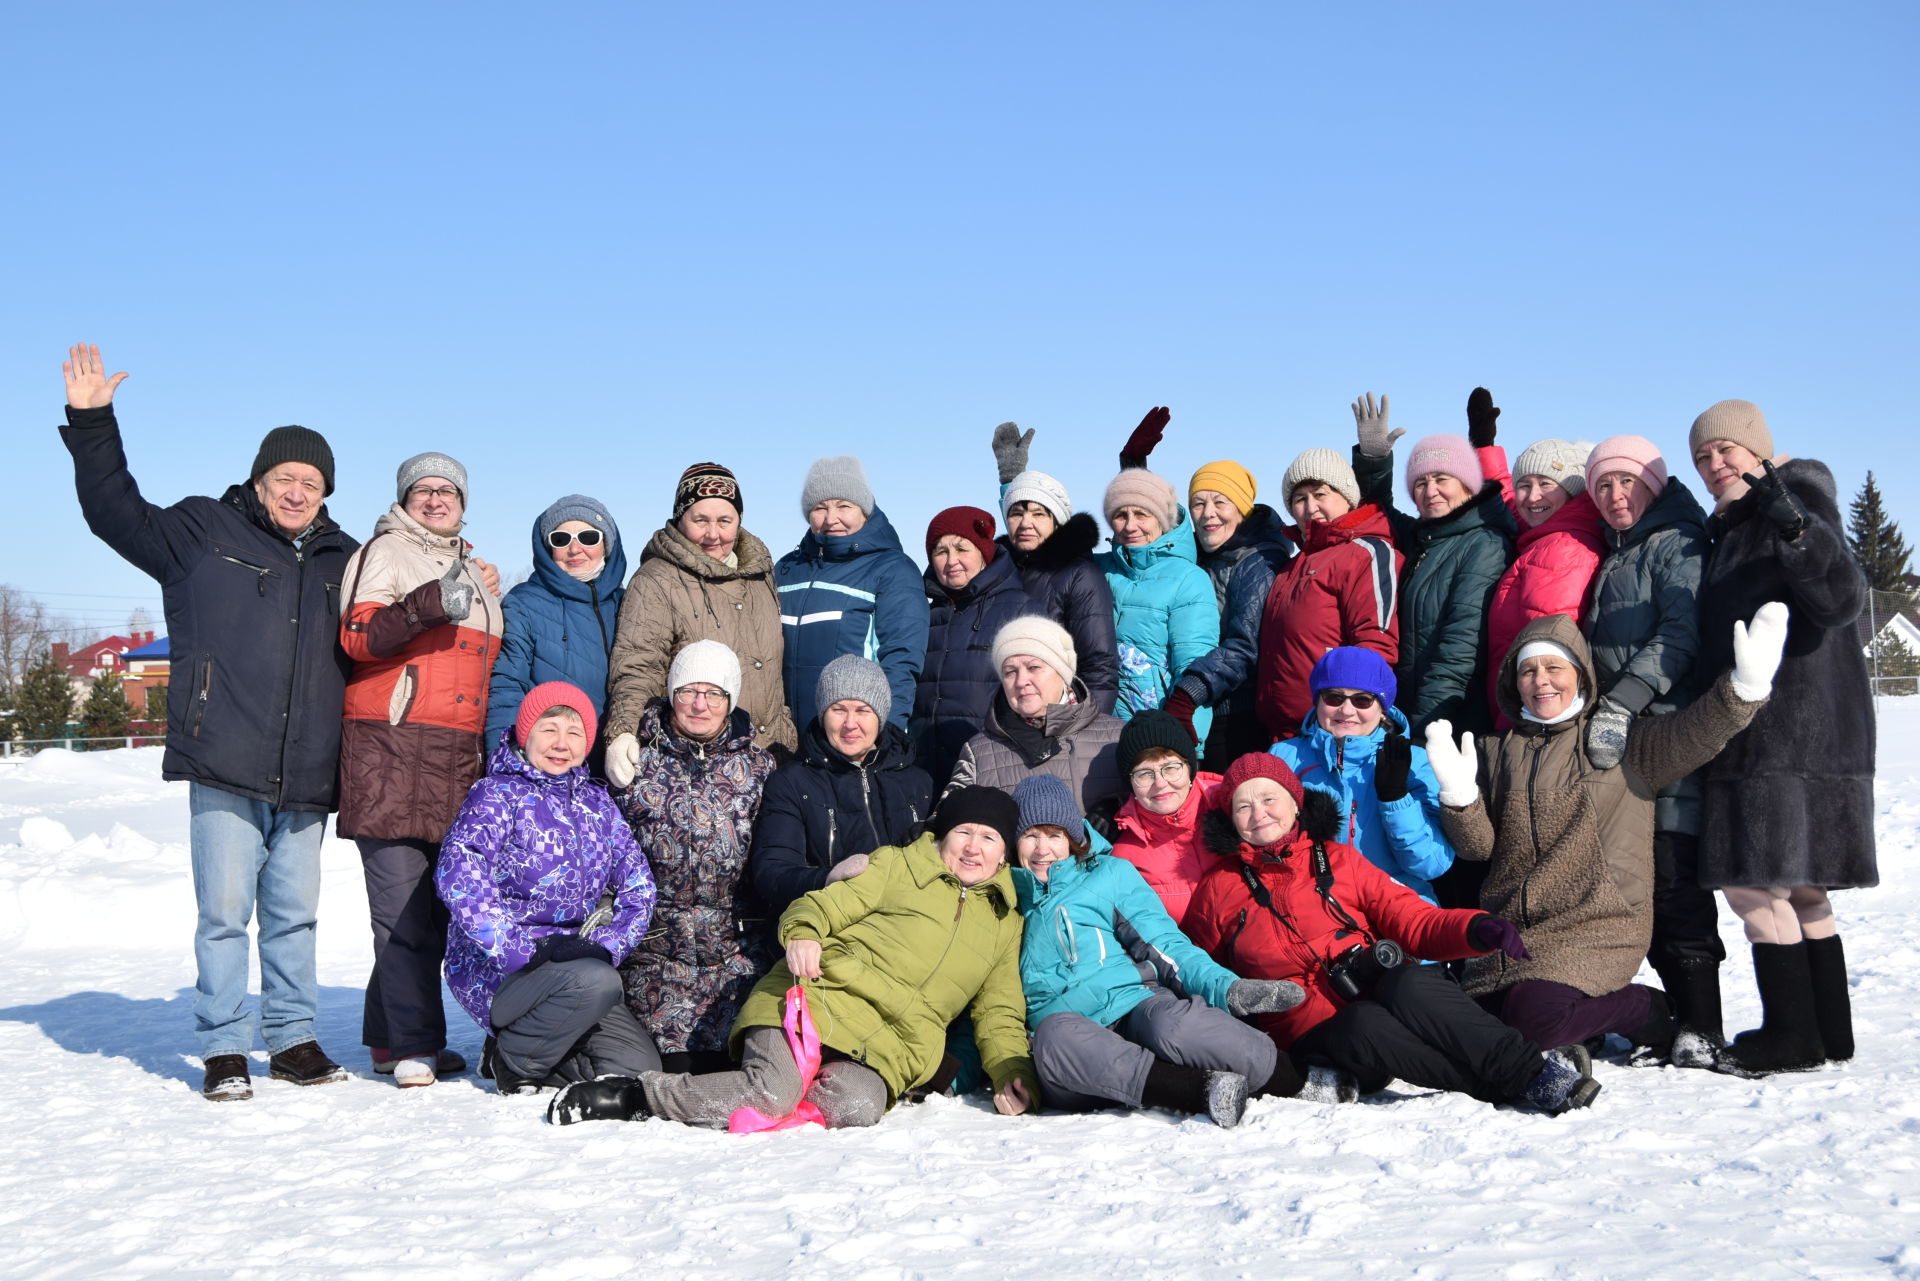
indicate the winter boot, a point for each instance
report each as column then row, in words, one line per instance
column 1220, row 1096
column 306, row 1064
column 1328, row 1085
column 1564, row 1081
column 227, row 1079
column 606, row 1098
column 1832, row 1002
column 486, row 1059
column 1653, row 1040
column 1788, row 1039
column 1693, row 990
column 445, row 1063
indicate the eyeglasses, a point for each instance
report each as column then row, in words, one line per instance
column 445, row 493
column 690, row 695
column 1335, row 697
column 1174, row 772
column 586, row 538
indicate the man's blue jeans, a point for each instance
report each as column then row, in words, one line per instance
column 247, row 855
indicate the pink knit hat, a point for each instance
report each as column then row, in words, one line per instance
column 542, row 699
column 1637, row 456
column 1445, row 453
column 1258, row 765
column 1138, row 487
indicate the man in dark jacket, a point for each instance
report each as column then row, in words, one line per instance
column 251, row 585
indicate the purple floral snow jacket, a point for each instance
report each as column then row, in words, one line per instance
column 529, row 856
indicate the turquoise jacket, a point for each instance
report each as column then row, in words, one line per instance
column 1402, row 838
column 1081, row 922
column 1164, row 616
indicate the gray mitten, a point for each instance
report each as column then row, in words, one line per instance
column 1263, row 996
column 1010, row 447
column 1370, row 427
column 1607, row 734
column 456, row 594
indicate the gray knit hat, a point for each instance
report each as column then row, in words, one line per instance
column 841, row 476
column 1045, row 800
column 1564, row 462
column 295, row 445
column 709, row 661
column 851, row 676
column 574, row 507
column 1038, row 487
column 1326, row 466
column 429, row 464
column 1739, row 421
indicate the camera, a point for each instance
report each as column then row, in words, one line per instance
column 1354, row 972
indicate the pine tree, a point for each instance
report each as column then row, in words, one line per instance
column 1895, row 664
column 157, row 706
column 46, row 701
column 106, row 713
column 1876, row 541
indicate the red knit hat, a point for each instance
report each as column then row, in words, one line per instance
column 542, row 699
column 1259, row 765
column 970, row 523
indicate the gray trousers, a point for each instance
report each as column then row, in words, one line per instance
column 1083, row 1065
column 846, row 1093
column 403, row 1014
column 566, row 1021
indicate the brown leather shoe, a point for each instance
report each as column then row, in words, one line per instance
column 227, row 1079
column 306, row 1064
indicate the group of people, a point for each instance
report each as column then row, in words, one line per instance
column 1234, row 807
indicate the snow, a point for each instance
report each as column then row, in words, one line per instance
column 114, row 1165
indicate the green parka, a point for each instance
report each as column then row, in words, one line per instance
column 906, row 949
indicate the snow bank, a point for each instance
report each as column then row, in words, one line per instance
column 114, row 1164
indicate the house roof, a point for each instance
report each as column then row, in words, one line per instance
column 156, row 649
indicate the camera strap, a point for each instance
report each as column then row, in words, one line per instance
column 1323, row 882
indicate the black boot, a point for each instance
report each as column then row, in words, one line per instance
column 1653, row 1040
column 1693, row 989
column 1787, row 1040
column 1832, row 1002
column 1220, row 1096
column 607, row 1098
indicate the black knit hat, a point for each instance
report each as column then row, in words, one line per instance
column 706, row 480
column 1155, row 728
column 988, row 805
column 294, row 445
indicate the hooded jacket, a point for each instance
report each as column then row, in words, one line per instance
column 410, row 744
column 253, row 616
column 820, row 808
column 1242, row 571
column 1064, row 584
column 680, row 595
column 557, row 629
column 1342, row 589
column 1169, row 850
column 1402, row 838
column 1164, row 617
column 1790, row 802
column 1300, row 934
column 1085, row 925
column 906, row 950
column 1571, row 845
column 852, row 594
column 958, row 681
column 530, row 855
column 1075, row 742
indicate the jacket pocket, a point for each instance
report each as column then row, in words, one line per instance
column 204, row 674
column 404, row 691
column 261, row 573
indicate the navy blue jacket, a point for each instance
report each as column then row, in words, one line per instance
column 820, row 808
column 1064, row 584
column 959, row 681
column 557, row 629
column 851, row 594
column 1242, row 571
column 253, row 620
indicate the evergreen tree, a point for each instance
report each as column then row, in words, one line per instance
column 157, row 705
column 106, row 713
column 1876, row 541
column 45, row 704
column 1896, row 665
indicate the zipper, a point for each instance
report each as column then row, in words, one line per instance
column 833, row 830
column 606, row 641
column 1233, row 939
column 1537, row 747
column 261, row 572
column 206, row 681
column 866, row 803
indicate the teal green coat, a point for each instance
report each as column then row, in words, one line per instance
column 1164, row 617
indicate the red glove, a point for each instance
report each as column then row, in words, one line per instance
column 1181, row 707
column 1145, row 437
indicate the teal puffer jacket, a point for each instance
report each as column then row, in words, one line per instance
column 1164, row 617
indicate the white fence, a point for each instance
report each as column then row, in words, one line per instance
column 24, row 747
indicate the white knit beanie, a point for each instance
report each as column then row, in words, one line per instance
column 1327, row 467
column 708, row 661
column 1564, row 462
column 1038, row 487
column 1042, row 638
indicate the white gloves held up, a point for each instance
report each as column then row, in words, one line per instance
column 1757, row 647
column 623, row 759
column 1456, row 769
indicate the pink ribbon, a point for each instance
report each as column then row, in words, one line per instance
column 805, row 1044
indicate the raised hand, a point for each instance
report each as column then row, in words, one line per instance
column 87, row 386
column 1370, row 426
column 1140, row 445
column 1481, row 416
column 1454, row 767
column 1778, row 503
column 1392, row 765
column 1757, row 647
column 1010, row 446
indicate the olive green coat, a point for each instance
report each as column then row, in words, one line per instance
column 906, row 950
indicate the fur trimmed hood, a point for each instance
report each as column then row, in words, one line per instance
column 1072, row 542
column 1319, row 821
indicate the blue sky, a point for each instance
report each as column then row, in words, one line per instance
column 582, row 247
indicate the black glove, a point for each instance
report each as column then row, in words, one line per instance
column 1490, row 933
column 1481, row 416
column 567, row 947
column 1391, row 764
column 1139, row 445
column 1777, row 502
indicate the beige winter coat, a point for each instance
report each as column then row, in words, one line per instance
column 1572, row 845
column 680, row 595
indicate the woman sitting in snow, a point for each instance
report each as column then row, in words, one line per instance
column 535, row 846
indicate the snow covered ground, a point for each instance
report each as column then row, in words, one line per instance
column 111, row 1164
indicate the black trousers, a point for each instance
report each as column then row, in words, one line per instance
column 1419, row 1027
column 403, row 1014
column 1686, row 918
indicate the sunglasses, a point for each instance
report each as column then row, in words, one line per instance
column 561, row 537
column 1335, row 697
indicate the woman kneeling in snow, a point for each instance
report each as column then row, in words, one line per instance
column 1103, row 1035
column 1294, row 904
column 888, row 958
column 536, row 844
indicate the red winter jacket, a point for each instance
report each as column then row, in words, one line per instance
column 1169, row 849
column 1227, row 923
column 1338, row 591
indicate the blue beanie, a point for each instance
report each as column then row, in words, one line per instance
column 1351, row 667
column 1046, row 801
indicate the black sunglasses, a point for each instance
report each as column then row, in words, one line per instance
column 1335, row 697
column 561, row 537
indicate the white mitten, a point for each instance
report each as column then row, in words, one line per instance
column 623, row 758
column 1757, row 647
column 1455, row 768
